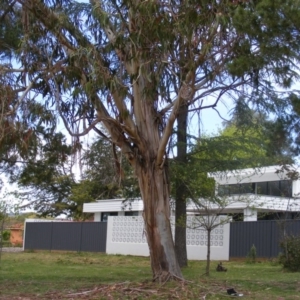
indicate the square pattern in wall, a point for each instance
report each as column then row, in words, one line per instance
column 128, row 230
column 131, row 230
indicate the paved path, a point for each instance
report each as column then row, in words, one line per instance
column 12, row 249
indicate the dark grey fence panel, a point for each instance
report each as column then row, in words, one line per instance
column 91, row 236
column 70, row 236
column 265, row 235
column 38, row 236
column 94, row 237
column 66, row 236
column 244, row 234
column 290, row 227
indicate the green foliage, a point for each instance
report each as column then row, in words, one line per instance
column 10, row 30
column 105, row 166
column 5, row 235
column 290, row 257
column 251, row 256
column 269, row 139
column 257, row 41
column 47, row 179
column 131, row 65
column 89, row 190
column 232, row 149
column 105, row 176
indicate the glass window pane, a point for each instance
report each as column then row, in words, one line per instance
column 223, row 190
column 286, row 188
column 246, row 188
column 261, row 188
column 234, row 189
column 131, row 213
column 104, row 215
column 273, row 188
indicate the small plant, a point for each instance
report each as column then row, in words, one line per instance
column 251, row 256
column 6, row 235
column 29, row 251
column 290, row 257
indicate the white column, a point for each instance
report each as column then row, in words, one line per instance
column 250, row 214
column 97, row 216
column 296, row 188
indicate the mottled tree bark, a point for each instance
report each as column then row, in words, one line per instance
column 155, row 193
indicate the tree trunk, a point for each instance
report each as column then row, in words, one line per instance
column 180, row 201
column 180, row 231
column 208, row 252
column 154, row 187
column 149, row 160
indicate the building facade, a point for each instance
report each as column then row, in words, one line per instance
column 247, row 192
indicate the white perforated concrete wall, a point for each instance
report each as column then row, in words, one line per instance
column 125, row 235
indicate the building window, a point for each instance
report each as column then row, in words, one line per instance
column 274, row 188
column 236, row 189
column 247, row 188
column 281, row 188
column 223, row 190
column 131, row 213
column 286, row 188
column 262, row 188
column 104, row 215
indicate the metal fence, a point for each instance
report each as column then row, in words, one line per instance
column 70, row 236
column 265, row 235
column 91, row 236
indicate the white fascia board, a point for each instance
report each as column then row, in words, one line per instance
column 260, row 203
column 249, row 175
column 113, row 205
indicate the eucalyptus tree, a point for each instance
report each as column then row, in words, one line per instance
column 19, row 132
column 131, row 65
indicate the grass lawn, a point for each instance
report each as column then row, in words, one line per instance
column 69, row 275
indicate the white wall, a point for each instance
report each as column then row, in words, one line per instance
column 97, row 216
column 125, row 235
column 111, row 205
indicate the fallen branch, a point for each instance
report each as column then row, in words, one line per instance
column 140, row 290
column 83, row 293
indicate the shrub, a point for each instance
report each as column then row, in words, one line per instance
column 6, row 235
column 251, row 256
column 290, row 256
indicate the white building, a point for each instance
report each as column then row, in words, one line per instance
column 267, row 189
column 247, row 191
column 114, row 207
